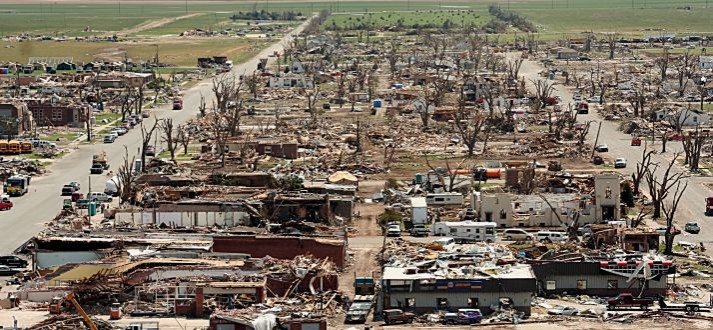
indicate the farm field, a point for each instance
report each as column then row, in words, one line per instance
column 619, row 19
column 432, row 18
column 102, row 16
column 176, row 52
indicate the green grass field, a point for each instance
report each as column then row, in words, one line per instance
column 46, row 17
column 616, row 16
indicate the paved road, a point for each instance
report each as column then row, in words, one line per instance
column 692, row 205
column 44, row 201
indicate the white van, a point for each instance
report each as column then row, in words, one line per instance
column 552, row 236
column 516, row 234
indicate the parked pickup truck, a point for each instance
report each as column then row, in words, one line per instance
column 359, row 309
column 392, row 316
column 627, row 300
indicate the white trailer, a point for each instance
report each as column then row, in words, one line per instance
column 419, row 211
column 466, row 230
column 444, row 199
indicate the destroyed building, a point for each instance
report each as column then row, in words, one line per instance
column 307, row 207
column 604, row 278
column 15, row 118
column 282, row 247
column 509, row 210
column 461, row 276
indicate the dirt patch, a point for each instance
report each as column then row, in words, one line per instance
column 153, row 24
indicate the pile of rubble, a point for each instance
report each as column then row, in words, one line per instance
column 10, row 167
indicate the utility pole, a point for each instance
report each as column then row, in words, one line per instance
column 596, row 140
column 186, row 5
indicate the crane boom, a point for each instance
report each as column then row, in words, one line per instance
column 87, row 320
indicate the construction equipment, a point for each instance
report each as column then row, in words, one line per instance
column 101, row 159
column 55, row 307
column 115, row 311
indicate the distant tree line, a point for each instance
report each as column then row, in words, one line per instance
column 263, row 15
column 513, row 18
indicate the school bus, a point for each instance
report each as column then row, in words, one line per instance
column 13, row 148
column 3, row 147
column 26, row 147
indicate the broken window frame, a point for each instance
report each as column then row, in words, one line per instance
column 442, row 303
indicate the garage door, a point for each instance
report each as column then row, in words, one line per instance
column 225, row 327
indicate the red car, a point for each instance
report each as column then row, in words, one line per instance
column 5, row 205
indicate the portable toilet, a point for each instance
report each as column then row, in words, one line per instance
column 377, row 103
column 92, row 209
column 419, row 178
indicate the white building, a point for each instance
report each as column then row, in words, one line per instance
column 686, row 117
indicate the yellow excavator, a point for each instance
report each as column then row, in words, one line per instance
column 56, row 308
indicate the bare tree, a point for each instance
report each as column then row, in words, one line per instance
column 168, row 136
column 662, row 63
column 312, row 97
column 433, row 95
column 641, row 167
column 611, row 43
column 217, row 127
column 582, row 133
column 685, row 65
column 677, row 117
column 490, row 92
column 393, row 56
column 451, row 173
column 643, row 212
column 669, row 210
column 660, row 185
column 603, row 86
column 543, row 90
column 127, row 101
column 469, row 122
column 126, row 178
column 140, row 99
column 88, row 123
column 253, row 83
column 637, row 99
column 146, row 135
column 692, row 145
column 223, row 90
column 183, row 136
column 513, row 67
